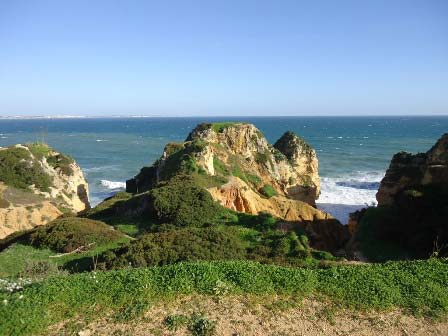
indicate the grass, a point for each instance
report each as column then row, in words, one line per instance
column 39, row 149
column 16, row 258
column 419, row 287
column 268, row 191
column 220, row 126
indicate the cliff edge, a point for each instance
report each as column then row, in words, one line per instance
column 37, row 185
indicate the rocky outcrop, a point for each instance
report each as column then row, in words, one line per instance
column 411, row 218
column 38, row 184
column 407, row 170
column 290, row 167
column 324, row 231
column 243, row 172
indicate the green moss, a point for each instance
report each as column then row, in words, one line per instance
column 183, row 160
column 268, row 191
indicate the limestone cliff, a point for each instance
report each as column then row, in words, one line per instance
column 407, row 170
column 37, row 185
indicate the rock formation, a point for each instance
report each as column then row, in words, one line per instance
column 411, row 218
column 290, row 167
column 37, row 185
column 243, row 172
column 407, row 170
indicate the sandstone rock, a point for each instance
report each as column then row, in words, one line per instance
column 37, row 185
column 324, row 231
column 242, row 150
column 407, row 170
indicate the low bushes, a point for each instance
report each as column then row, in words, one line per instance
column 173, row 246
column 182, row 203
column 67, row 234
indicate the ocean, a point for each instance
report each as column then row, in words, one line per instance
column 353, row 152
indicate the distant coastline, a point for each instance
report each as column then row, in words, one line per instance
column 37, row 117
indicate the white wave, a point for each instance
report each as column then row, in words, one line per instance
column 113, row 184
column 100, row 140
column 343, row 194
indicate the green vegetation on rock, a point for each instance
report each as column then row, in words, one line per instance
column 268, row 191
column 20, row 170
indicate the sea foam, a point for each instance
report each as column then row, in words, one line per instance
column 347, row 193
column 113, row 184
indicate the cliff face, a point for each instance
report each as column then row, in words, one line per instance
column 38, row 184
column 407, row 170
column 243, row 172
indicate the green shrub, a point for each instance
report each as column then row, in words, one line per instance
column 261, row 158
column 268, row 191
column 39, row 269
column 67, row 234
column 176, row 321
column 253, row 179
column 18, row 169
column 61, row 162
column 182, row 203
column 173, row 246
column 202, row 326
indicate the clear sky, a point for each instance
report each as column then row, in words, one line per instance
column 223, row 57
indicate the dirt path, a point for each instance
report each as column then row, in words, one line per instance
column 235, row 316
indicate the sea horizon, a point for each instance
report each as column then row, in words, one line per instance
column 353, row 151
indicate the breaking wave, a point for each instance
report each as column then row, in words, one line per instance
column 347, row 193
column 113, row 184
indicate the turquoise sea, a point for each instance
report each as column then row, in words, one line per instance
column 353, row 152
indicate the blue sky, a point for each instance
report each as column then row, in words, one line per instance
column 223, row 57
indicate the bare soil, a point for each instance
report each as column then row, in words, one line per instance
column 276, row 316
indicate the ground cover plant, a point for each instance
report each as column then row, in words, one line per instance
column 419, row 287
